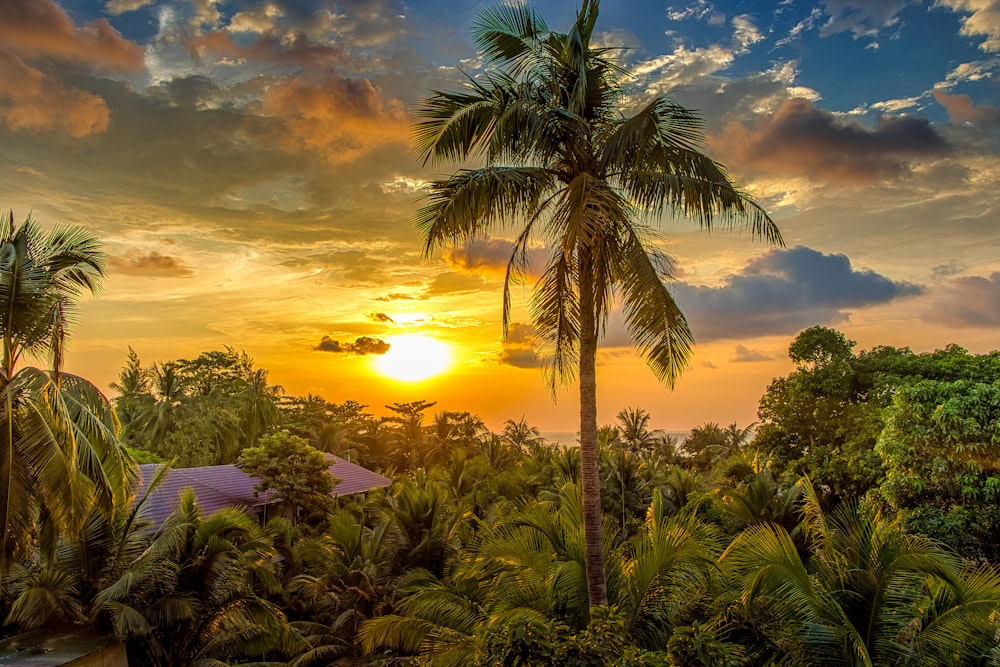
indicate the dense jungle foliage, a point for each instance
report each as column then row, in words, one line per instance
column 854, row 524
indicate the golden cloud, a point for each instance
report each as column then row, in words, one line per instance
column 30, row 100
column 339, row 119
column 40, row 28
column 136, row 263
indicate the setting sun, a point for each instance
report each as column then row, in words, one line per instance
column 412, row 358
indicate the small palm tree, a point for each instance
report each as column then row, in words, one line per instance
column 424, row 518
column 191, row 598
column 524, row 437
column 633, row 428
column 59, row 453
column 346, row 581
column 522, row 583
column 870, row 596
column 561, row 160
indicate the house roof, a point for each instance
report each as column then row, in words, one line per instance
column 216, row 487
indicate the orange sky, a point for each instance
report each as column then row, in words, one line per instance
column 250, row 174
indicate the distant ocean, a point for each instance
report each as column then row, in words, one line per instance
column 572, row 438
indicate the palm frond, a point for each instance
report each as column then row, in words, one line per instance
column 555, row 313
column 654, row 320
column 508, row 33
column 473, row 202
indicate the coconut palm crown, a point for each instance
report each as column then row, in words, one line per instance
column 562, row 163
column 59, row 453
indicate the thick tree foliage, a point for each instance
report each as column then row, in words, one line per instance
column 197, row 412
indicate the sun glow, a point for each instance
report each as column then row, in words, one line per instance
column 412, row 358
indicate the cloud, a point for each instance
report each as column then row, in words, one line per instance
column 700, row 10
column 116, row 7
column 946, row 270
column 402, row 296
column 451, row 282
column 519, row 347
column 982, row 18
column 969, row 301
column 358, row 265
column 666, row 73
column 962, row 110
column 380, row 317
column 360, row 346
column 802, row 140
column 32, row 101
column 807, row 24
column 863, row 18
column 338, row 119
column 745, row 33
column 40, row 28
column 489, row 256
column 782, row 292
column 745, row 354
column 269, row 47
column 153, row 264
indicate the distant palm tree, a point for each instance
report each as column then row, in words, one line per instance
column 59, row 453
column 562, row 160
column 633, row 428
column 524, row 437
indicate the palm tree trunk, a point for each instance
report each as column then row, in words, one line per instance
column 590, row 478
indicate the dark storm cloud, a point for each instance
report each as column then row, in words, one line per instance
column 518, row 348
column 153, row 264
column 33, row 101
column 338, row 119
column 158, row 150
column 784, row 291
column 803, row 140
column 970, row 301
column 274, row 47
column 361, row 346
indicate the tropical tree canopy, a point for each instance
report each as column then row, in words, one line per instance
column 59, row 454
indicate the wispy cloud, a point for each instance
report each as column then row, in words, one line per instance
column 745, row 354
column 969, row 301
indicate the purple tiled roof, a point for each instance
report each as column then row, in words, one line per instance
column 216, row 487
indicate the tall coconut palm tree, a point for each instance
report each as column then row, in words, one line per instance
column 59, row 452
column 561, row 160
